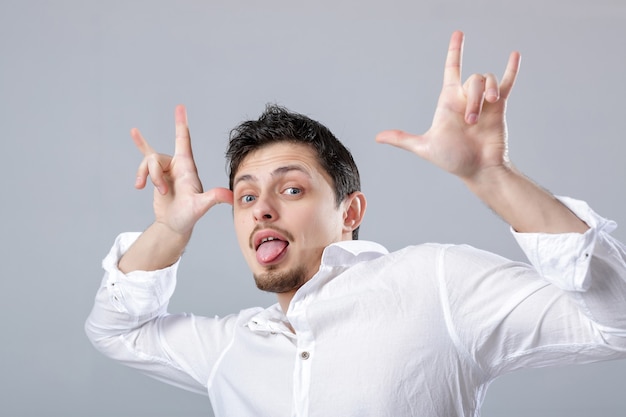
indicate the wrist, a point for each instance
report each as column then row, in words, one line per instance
column 166, row 233
column 491, row 180
column 158, row 247
column 525, row 206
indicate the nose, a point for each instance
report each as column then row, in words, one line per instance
column 264, row 210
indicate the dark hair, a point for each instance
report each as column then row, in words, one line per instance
column 277, row 124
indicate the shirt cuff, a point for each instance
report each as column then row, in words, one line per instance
column 563, row 259
column 137, row 293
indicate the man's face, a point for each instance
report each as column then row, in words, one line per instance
column 285, row 215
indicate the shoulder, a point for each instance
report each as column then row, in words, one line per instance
column 450, row 252
column 447, row 258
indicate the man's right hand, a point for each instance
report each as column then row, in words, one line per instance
column 179, row 200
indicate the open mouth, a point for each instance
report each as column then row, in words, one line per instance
column 269, row 247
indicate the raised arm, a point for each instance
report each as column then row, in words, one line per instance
column 580, row 316
column 179, row 201
column 129, row 320
column 468, row 138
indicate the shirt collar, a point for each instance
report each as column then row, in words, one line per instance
column 336, row 258
column 351, row 252
column 271, row 320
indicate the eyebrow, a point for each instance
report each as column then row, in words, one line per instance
column 278, row 172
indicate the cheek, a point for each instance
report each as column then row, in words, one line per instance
column 324, row 223
column 242, row 230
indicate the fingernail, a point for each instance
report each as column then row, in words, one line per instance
column 138, row 181
column 472, row 118
column 492, row 94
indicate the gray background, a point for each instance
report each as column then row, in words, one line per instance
column 77, row 75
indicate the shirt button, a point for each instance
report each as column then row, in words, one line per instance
column 304, row 355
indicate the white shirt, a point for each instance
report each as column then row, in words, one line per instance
column 417, row 332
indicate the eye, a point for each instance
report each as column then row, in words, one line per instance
column 292, row 191
column 248, row 198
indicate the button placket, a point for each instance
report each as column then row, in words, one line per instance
column 302, row 368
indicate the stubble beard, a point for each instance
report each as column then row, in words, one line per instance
column 280, row 281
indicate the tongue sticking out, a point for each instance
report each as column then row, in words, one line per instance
column 270, row 250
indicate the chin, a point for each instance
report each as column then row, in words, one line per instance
column 280, row 281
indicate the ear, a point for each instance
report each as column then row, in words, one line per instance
column 354, row 210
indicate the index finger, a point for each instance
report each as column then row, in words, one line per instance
column 452, row 70
column 183, row 140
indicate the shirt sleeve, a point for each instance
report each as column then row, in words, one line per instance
column 129, row 322
column 564, row 259
column 568, row 307
column 591, row 267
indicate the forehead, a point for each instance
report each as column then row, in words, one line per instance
column 270, row 157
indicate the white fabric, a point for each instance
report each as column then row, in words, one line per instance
column 417, row 332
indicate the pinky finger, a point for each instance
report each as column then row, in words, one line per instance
column 140, row 142
column 510, row 74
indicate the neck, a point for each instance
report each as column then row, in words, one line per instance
column 284, row 299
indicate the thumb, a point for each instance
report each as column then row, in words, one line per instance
column 403, row 140
column 213, row 197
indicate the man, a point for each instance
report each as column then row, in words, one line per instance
column 358, row 331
